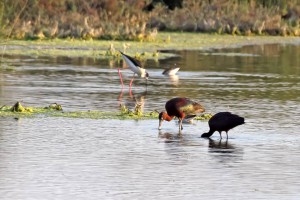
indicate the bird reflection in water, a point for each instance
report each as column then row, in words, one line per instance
column 170, row 137
column 221, row 146
column 180, row 148
column 174, row 80
column 179, row 139
column 171, row 73
column 224, row 151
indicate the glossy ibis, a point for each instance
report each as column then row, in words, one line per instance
column 180, row 108
column 135, row 66
column 223, row 121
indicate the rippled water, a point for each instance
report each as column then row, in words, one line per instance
column 61, row 158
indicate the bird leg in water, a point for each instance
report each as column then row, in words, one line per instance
column 180, row 125
column 220, row 132
column 121, row 80
column 227, row 135
column 130, row 93
column 130, row 84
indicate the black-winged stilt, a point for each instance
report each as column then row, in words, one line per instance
column 135, row 66
column 171, row 71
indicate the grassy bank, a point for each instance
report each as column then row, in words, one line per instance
column 135, row 20
column 108, row 48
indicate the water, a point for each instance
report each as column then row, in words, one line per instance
column 61, row 158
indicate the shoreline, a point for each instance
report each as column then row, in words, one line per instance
column 165, row 41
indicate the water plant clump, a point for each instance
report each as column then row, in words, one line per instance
column 55, row 110
column 138, row 110
column 54, row 106
column 19, row 108
column 135, row 113
column 205, row 116
column 124, row 109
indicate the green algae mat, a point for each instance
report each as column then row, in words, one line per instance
column 56, row 110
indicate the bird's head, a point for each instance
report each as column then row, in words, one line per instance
column 147, row 75
column 205, row 135
column 161, row 118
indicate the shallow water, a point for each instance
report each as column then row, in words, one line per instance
column 62, row 158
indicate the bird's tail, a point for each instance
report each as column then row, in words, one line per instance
column 198, row 108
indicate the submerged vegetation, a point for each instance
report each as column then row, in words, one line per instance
column 141, row 20
column 56, row 110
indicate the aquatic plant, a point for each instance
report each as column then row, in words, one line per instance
column 18, row 108
column 54, row 106
column 138, row 109
column 55, row 110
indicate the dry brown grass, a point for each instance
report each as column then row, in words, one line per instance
column 126, row 20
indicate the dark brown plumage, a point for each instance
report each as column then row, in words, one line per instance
column 180, row 108
column 223, row 121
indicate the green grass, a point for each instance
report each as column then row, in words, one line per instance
column 147, row 50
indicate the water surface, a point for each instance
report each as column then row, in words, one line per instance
column 62, row 158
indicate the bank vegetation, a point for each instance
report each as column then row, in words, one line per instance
column 142, row 20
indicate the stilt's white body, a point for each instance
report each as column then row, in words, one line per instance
column 134, row 65
column 171, row 71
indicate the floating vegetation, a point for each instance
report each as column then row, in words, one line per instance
column 54, row 106
column 55, row 110
column 18, row 110
column 205, row 116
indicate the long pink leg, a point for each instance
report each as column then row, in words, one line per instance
column 130, row 84
column 130, row 92
column 121, row 79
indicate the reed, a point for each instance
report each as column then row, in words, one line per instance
column 128, row 20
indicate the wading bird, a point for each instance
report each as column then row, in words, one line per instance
column 135, row 66
column 180, row 108
column 171, row 71
column 223, row 121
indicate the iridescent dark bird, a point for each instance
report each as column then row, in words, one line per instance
column 223, row 121
column 180, row 108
